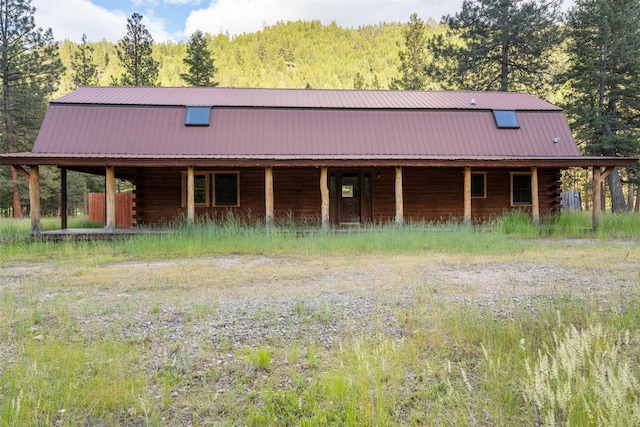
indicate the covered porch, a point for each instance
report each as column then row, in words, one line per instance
column 330, row 209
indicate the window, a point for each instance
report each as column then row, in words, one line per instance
column 520, row 188
column 506, row 119
column 213, row 188
column 197, row 116
column 479, row 184
column 200, row 188
column 226, row 189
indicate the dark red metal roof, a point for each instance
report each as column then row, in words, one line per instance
column 304, row 98
column 297, row 125
column 247, row 132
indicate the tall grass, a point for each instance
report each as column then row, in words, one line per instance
column 457, row 366
column 234, row 235
column 562, row 361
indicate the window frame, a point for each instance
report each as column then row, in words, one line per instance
column 506, row 122
column 213, row 192
column 196, row 119
column 484, row 185
column 512, row 189
column 207, row 188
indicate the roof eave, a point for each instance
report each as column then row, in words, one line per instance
column 308, row 161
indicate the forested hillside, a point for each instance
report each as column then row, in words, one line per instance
column 293, row 55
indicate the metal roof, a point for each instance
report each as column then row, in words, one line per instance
column 305, row 98
column 247, row 132
column 289, row 127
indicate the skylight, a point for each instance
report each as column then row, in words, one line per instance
column 197, row 116
column 506, row 119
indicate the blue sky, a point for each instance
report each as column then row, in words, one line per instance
column 177, row 19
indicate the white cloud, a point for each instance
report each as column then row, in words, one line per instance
column 239, row 16
column 183, row 2
column 94, row 21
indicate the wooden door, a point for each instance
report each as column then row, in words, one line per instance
column 349, row 197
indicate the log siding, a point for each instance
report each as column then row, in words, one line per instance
column 429, row 194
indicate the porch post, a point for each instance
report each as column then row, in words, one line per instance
column 399, row 201
column 324, row 193
column 191, row 197
column 110, row 199
column 597, row 202
column 535, row 198
column 34, row 199
column 268, row 196
column 63, row 198
column 467, row 196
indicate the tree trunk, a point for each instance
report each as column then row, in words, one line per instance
column 630, row 196
column 637, row 207
column 618, row 203
column 504, row 66
column 15, row 193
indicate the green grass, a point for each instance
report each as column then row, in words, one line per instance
column 501, row 235
column 465, row 367
column 565, row 360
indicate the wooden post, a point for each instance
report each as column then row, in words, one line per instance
column 110, row 199
column 467, row 196
column 399, row 200
column 268, row 196
column 324, row 193
column 535, row 196
column 191, row 196
column 599, row 175
column 63, row 198
column 597, row 202
column 34, row 199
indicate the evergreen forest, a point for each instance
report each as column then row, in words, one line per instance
column 286, row 55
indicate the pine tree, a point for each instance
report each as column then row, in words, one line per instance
column 200, row 62
column 29, row 70
column 134, row 52
column 604, row 80
column 82, row 66
column 413, row 59
column 497, row 45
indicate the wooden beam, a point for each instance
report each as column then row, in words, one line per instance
column 191, row 196
column 63, row 198
column 535, row 196
column 22, row 171
column 110, row 199
column 467, row 195
column 604, row 172
column 34, row 199
column 597, row 203
column 324, row 193
column 399, row 200
column 268, row 196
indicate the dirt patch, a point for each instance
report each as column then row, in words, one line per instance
column 215, row 305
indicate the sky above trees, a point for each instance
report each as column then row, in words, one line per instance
column 178, row 19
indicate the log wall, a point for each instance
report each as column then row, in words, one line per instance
column 430, row 194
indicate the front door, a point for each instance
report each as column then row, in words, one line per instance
column 349, row 197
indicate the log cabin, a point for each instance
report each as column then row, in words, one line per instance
column 335, row 158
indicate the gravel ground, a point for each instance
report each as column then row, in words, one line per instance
column 229, row 302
